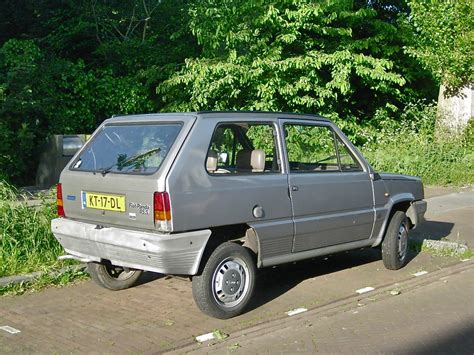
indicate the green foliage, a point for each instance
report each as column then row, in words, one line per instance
column 309, row 144
column 65, row 97
column 67, row 65
column 469, row 134
column 27, row 244
column 444, row 39
column 26, row 241
column 71, row 64
column 412, row 148
column 46, row 279
column 262, row 137
column 219, row 334
column 291, row 55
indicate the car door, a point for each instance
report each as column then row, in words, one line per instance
column 242, row 181
column 330, row 189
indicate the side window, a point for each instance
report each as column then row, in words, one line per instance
column 311, row 148
column 348, row 162
column 243, row 148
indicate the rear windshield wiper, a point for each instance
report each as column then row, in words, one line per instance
column 125, row 162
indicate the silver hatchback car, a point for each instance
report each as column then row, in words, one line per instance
column 216, row 195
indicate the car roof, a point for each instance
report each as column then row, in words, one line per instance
column 223, row 114
column 289, row 115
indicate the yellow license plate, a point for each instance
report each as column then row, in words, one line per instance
column 103, row 201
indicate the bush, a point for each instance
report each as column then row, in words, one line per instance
column 65, row 97
column 26, row 241
column 412, row 147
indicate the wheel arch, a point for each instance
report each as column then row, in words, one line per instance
column 402, row 203
column 241, row 234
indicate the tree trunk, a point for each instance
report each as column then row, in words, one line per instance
column 455, row 111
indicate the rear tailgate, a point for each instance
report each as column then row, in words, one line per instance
column 130, row 202
column 120, row 194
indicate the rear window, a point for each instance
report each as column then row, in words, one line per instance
column 128, row 149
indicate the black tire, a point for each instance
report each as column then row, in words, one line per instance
column 225, row 287
column 113, row 277
column 395, row 243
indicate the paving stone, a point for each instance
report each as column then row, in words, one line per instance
column 433, row 319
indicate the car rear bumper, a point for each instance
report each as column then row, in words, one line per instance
column 178, row 253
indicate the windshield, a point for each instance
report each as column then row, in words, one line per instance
column 138, row 149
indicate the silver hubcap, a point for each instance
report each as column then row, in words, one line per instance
column 402, row 241
column 230, row 282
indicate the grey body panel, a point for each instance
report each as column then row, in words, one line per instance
column 179, row 254
column 137, row 189
column 399, row 184
column 382, row 207
column 331, row 208
column 312, row 253
column 329, row 212
column 74, row 183
column 392, row 189
column 201, row 200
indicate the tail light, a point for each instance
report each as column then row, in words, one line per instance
column 59, row 200
column 162, row 211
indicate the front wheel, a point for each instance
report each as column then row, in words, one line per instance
column 113, row 277
column 225, row 287
column 395, row 243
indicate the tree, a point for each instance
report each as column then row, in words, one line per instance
column 444, row 40
column 332, row 57
column 67, row 65
column 444, row 43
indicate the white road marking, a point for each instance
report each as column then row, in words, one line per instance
column 365, row 289
column 10, row 330
column 296, row 311
column 420, row 273
column 464, row 260
column 205, row 337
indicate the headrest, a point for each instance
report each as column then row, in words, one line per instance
column 211, row 162
column 251, row 160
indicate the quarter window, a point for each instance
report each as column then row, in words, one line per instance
column 243, row 148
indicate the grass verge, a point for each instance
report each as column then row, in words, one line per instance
column 26, row 241
column 421, row 246
column 436, row 162
column 45, row 280
column 415, row 146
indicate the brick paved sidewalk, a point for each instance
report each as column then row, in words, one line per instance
column 432, row 319
column 161, row 315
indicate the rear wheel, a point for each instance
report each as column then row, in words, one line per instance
column 113, row 277
column 395, row 243
column 225, row 287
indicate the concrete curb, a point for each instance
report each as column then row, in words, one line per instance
column 341, row 305
column 18, row 279
column 438, row 247
column 442, row 246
